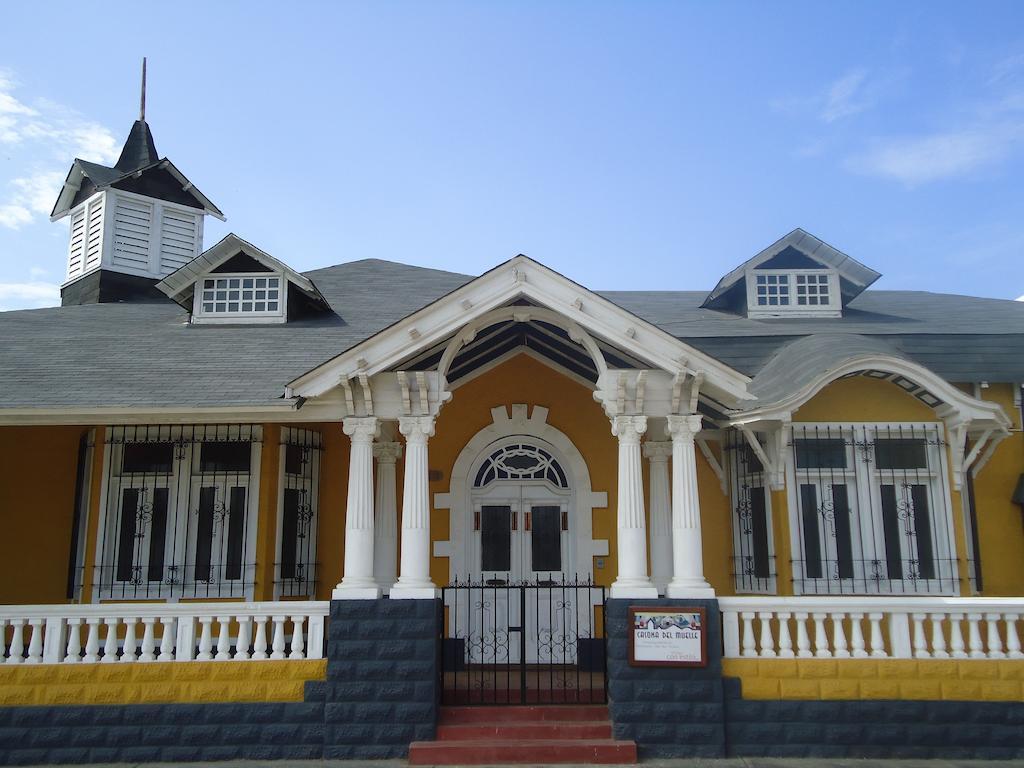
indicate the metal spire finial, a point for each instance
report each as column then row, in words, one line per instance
column 142, row 99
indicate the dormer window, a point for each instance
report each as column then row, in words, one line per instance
column 236, row 282
column 237, row 295
column 781, row 292
column 798, row 276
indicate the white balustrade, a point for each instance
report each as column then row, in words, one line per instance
column 896, row 628
column 54, row 634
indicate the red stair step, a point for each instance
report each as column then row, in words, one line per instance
column 604, row 751
column 491, row 715
column 550, row 730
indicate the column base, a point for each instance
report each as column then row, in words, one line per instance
column 639, row 588
column 399, row 592
column 352, row 592
column 697, row 588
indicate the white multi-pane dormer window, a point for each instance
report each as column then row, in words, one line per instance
column 784, row 292
column 242, row 297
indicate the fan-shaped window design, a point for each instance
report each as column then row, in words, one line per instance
column 521, row 461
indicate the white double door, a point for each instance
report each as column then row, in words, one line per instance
column 520, row 548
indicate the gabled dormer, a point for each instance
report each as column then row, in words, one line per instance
column 236, row 282
column 798, row 276
column 130, row 225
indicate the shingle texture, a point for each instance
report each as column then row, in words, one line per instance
column 146, row 355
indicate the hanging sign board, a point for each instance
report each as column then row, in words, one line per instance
column 672, row 637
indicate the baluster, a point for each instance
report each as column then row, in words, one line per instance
column 749, row 648
column 938, row 638
column 1012, row 638
column 877, row 644
column 242, row 641
column 767, row 640
column 35, row 643
column 785, row 640
column 857, row 636
column 920, row 641
column 74, row 648
column 17, row 642
column 205, row 639
column 130, row 644
column 223, row 640
column 110, row 642
column 298, row 643
column 803, row 642
column 92, row 640
column 956, row 636
column 259, row 647
column 148, row 639
column 821, row 649
column 839, row 636
column 974, row 636
column 278, row 646
column 166, row 639
column 995, row 643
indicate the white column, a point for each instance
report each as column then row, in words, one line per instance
column 385, row 519
column 414, row 576
column 661, row 513
column 632, row 579
column 357, row 582
column 687, row 553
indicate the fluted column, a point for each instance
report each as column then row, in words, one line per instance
column 414, row 575
column 632, row 579
column 385, row 520
column 357, row 583
column 687, row 553
column 658, row 455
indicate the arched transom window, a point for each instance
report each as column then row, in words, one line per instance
column 521, row 461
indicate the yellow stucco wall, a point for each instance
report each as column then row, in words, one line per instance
column 37, row 499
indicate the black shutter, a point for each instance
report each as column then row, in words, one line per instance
column 759, row 533
column 812, row 544
column 236, row 533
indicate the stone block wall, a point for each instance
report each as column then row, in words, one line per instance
column 668, row 711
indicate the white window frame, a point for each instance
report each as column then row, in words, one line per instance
column 754, row 309
column 181, row 529
column 864, row 494
column 311, row 485
column 234, row 318
column 752, row 587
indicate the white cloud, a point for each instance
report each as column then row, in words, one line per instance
column 846, row 97
column 14, row 216
column 921, row 159
column 44, row 137
column 1020, row 298
column 28, row 295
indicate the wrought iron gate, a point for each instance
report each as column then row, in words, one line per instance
column 525, row 643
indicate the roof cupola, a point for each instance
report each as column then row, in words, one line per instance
column 131, row 224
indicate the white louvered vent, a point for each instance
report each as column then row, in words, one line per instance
column 76, row 249
column 179, row 238
column 133, row 220
column 94, row 233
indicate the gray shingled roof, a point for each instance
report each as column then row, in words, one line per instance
column 145, row 354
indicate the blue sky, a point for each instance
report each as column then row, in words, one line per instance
column 628, row 145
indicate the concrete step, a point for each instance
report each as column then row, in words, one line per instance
column 492, row 715
column 550, row 730
column 498, row 752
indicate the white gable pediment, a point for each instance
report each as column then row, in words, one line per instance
column 579, row 311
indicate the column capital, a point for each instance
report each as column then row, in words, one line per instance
column 629, row 428
column 387, row 453
column 362, row 429
column 657, row 452
column 416, row 428
column 682, row 427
